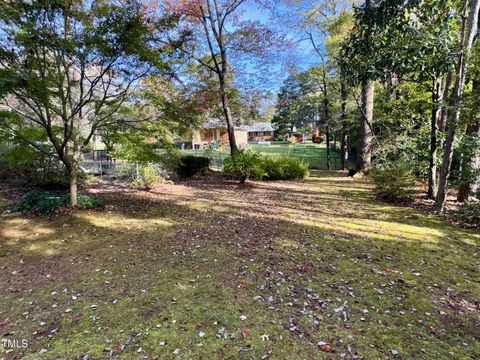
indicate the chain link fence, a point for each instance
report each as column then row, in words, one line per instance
column 128, row 171
column 118, row 170
column 317, row 161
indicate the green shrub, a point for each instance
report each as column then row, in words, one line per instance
column 39, row 201
column 46, row 202
column 469, row 213
column 394, row 181
column 147, row 177
column 283, row 168
column 191, row 165
column 87, row 202
column 245, row 164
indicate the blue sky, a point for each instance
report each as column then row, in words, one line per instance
column 301, row 55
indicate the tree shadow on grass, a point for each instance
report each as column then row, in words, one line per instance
column 241, row 241
column 337, row 201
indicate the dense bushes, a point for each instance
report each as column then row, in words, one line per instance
column 469, row 213
column 40, row 173
column 46, row 202
column 190, row 165
column 247, row 164
column 283, row 168
column 394, row 181
column 38, row 201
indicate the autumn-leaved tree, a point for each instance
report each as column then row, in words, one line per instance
column 214, row 36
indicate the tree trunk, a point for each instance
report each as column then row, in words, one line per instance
column 442, row 120
column 476, row 158
column 72, row 174
column 326, row 105
column 364, row 160
column 468, row 29
column 344, row 150
column 228, row 117
column 465, row 186
column 327, row 135
column 463, row 192
column 344, row 136
column 432, row 168
column 471, row 162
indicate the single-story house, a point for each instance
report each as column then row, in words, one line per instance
column 214, row 132
column 260, row 131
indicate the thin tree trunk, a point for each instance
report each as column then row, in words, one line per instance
column 344, row 136
column 364, row 160
column 73, row 176
column 327, row 135
column 432, row 168
column 465, row 187
column 468, row 30
column 442, row 120
column 344, row 150
column 213, row 25
column 476, row 158
column 471, row 163
column 326, row 105
column 228, row 118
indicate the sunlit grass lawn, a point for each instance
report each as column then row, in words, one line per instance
column 210, row 269
column 315, row 155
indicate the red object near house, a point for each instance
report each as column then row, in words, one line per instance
column 299, row 137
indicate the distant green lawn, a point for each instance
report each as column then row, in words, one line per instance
column 315, row 155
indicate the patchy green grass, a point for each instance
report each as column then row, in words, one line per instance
column 315, row 155
column 211, row 269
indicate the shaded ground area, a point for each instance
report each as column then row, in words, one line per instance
column 209, row 269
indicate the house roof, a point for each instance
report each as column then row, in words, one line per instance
column 213, row 123
column 216, row 123
column 261, row 126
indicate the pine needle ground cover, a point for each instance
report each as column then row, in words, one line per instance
column 210, row 269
